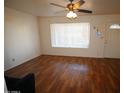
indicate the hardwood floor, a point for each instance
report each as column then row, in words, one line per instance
column 59, row 74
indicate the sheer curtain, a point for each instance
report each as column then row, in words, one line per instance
column 73, row 35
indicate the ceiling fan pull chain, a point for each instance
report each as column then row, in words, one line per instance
column 71, row 1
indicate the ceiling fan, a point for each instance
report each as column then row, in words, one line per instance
column 71, row 7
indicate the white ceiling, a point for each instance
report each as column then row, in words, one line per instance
column 43, row 8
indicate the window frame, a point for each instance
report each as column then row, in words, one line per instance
column 70, row 46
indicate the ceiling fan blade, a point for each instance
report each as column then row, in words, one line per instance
column 84, row 11
column 57, row 5
column 61, row 12
column 78, row 4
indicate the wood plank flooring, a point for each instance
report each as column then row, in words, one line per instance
column 59, row 74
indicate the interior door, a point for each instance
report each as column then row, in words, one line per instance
column 112, row 44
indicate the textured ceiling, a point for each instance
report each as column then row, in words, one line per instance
column 43, row 7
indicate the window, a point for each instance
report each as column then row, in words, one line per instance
column 72, row 35
column 115, row 26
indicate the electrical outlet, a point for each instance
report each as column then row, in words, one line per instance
column 13, row 59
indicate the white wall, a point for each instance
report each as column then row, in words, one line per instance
column 96, row 48
column 22, row 39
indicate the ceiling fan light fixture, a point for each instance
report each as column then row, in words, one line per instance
column 71, row 14
column 71, row 7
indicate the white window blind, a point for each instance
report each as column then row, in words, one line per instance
column 73, row 35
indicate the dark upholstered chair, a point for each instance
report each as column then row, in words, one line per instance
column 21, row 85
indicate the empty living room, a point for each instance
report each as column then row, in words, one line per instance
column 61, row 46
